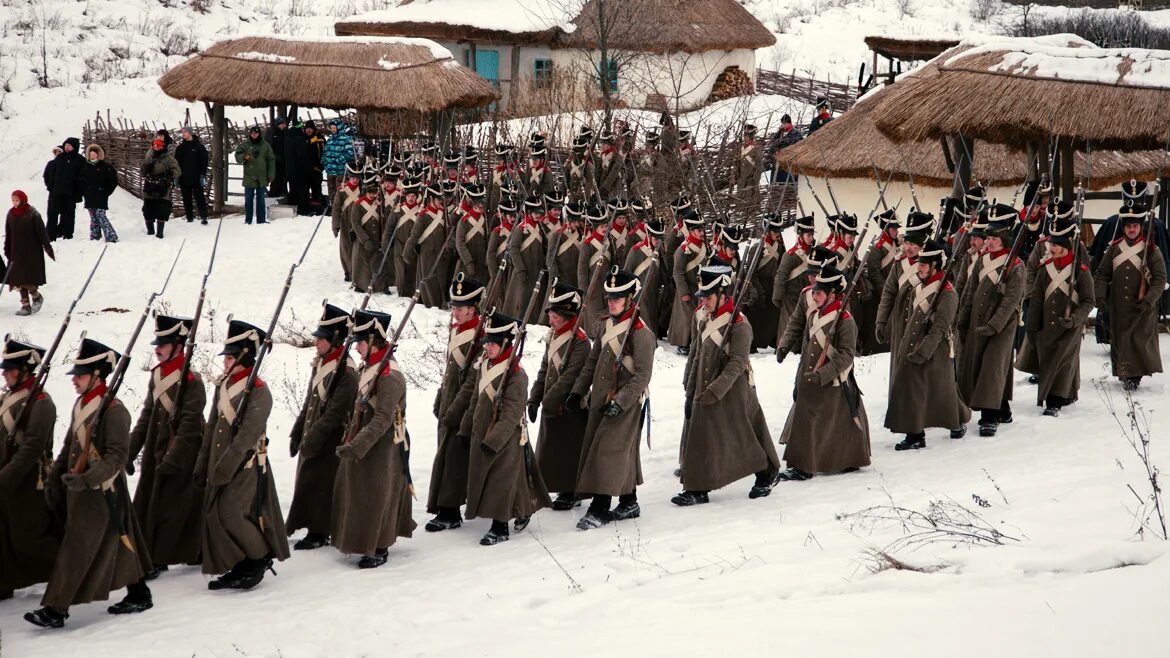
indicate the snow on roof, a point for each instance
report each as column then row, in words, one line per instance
column 266, row 57
column 514, row 16
column 437, row 51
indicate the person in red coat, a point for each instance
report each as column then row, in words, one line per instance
column 25, row 244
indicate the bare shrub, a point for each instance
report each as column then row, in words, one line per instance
column 984, row 10
column 1134, row 421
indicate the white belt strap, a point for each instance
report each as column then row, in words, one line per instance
column 1128, row 253
column 1058, row 279
column 455, row 345
column 163, row 385
column 8, row 409
column 490, row 375
column 227, row 395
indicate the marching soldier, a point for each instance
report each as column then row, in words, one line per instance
column 690, row 256
column 804, row 307
column 391, row 199
column 621, row 233
column 102, row 549
column 726, row 246
column 645, row 167
column 580, row 174
column 345, row 197
column 168, row 505
column 988, row 314
column 789, row 281
column 894, row 304
column 426, row 249
column 645, row 262
column 970, row 251
column 448, row 489
column 30, row 543
column 527, row 251
column 1133, row 316
column 748, row 167
column 503, row 481
column 401, row 226
column 726, row 433
column 596, row 255
column 879, row 260
column 562, row 430
column 365, row 225
column 562, row 265
column 1062, row 296
column 611, row 167
column 678, row 229
column 372, row 492
column 503, row 174
column 318, row 430
column 243, row 529
column 471, row 236
column 501, row 237
column 539, row 179
column 827, row 430
column 615, row 378
column 761, row 312
column 923, row 392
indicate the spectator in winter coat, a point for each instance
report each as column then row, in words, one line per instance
column 296, row 145
column 47, row 176
column 191, row 155
column 25, row 243
column 310, row 195
column 65, row 189
column 338, row 151
column 259, row 168
column 165, row 136
column 101, row 179
column 824, row 115
column 785, row 137
column 159, row 171
column 277, row 133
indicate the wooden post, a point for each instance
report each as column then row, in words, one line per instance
column 1067, row 170
column 218, row 156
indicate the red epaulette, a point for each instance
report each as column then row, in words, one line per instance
column 259, row 383
column 949, row 286
column 847, row 316
column 1042, row 238
column 41, row 396
column 793, row 250
column 1084, row 268
column 386, row 370
column 639, row 325
column 581, row 334
column 190, row 376
column 739, row 318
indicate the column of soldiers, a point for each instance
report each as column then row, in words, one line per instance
column 595, row 272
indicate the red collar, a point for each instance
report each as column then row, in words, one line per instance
column 351, row 185
column 728, row 256
column 997, row 254
column 934, row 277
column 536, row 168
column 333, row 355
column 504, row 225
column 824, row 115
column 645, row 241
column 504, row 356
column 832, row 306
column 1064, row 261
column 769, row 238
column 26, row 385
column 366, row 198
column 799, row 247
column 470, row 324
column 531, row 220
column 693, row 240
column 175, row 363
column 376, row 357
column 565, row 328
column 726, row 308
column 407, row 204
column 596, row 235
column 97, row 391
column 433, row 209
column 503, row 166
column 469, row 213
column 884, row 239
column 239, row 374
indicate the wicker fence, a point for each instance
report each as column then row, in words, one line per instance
column 841, row 95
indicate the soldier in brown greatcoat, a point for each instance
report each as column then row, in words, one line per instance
column 580, row 173
column 827, row 430
column 243, row 527
column 28, row 542
column 102, row 549
column 503, row 480
column 789, row 279
column 727, row 435
column 893, row 310
column 1133, row 317
column 526, row 249
column 761, row 312
column 646, row 260
column 401, row 227
column 347, row 194
column 615, row 379
column 610, row 167
column 366, row 228
column 1062, row 297
column 749, row 164
column 562, row 265
column 426, row 249
column 319, row 429
column 923, row 393
column 372, row 491
column 596, row 256
column 879, row 260
column 471, row 235
column 538, row 179
column 448, row 489
column 690, row 256
column 498, row 241
column 558, row 446
column 168, row 505
column 988, row 315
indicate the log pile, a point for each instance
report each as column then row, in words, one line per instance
column 733, row 82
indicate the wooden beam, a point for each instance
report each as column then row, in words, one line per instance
column 1067, row 170
column 218, row 156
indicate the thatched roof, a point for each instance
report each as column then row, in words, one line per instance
column 660, row 26
column 909, row 50
column 1115, row 98
column 515, row 22
column 337, row 73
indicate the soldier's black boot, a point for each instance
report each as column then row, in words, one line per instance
column 689, row 498
column 497, row 535
column 1005, row 413
column 156, row 571
column 988, row 422
column 231, row 579
column 374, row 561
column 1131, row 383
column 521, row 523
column 959, row 432
column 765, row 480
column 683, row 351
column 448, row 518
column 598, row 514
column 312, row 541
column 565, row 502
column 149, row 227
column 912, row 442
column 46, row 617
column 794, row 475
column 627, row 507
column 158, row 232
column 255, row 573
column 138, row 599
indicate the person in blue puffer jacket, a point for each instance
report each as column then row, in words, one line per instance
column 338, row 151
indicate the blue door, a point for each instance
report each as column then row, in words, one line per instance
column 487, row 65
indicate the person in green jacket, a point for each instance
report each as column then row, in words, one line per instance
column 259, row 169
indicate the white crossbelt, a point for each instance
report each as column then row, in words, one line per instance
column 816, row 331
column 81, row 416
column 611, row 338
column 769, row 253
column 922, row 294
column 555, row 355
column 990, row 266
column 569, row 239
column 475, row 227
column 349, row 196
column 436, row 222
column 713, row 329
column 532, row 234
column 320, row 374
column 162, row 385
column 368, row 213
column 598, row 252
column 490, row 375
column 888, row 256
column 8, row 409
column 645, row 264
column 799, row 269
column 502, row 245
column 700, row 256
column 1128, row 253
column 455, row 345
column 1058, row 279
column 227, row 394
column 907, row 273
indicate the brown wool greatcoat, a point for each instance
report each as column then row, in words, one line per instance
column 894, row 305
column 503, row 482
column 610, row 460
column 228, row 462
column 558, row 445
column 317, row 431
column 820, row 434
column 727, row 434
column 1057, row 349
column 1026, row 358
column 562, row 265
column 787, row 284
column 429, row 237
column 923, row 392
column 527, row 250
column 449, row 471
column 471, row 243
column 28, row 539
column 985, row 364
column 92, row 561
column 371, row 495
column 364, row 220
column 168, row 505
column 761, row 311
column 685, row 265
column 639, row 263
column 596, row 255
column 404, row 222
column 1133, row 323
column 879, row 261
column 342, row 200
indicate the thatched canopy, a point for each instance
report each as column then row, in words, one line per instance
column 661, row 26
column 909, row 50
column 1115, row 98
column 513, row 22
column 338, row 73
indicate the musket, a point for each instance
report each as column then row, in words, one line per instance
column 593, row 281
column 1144, row 284
column 1018, row 241
column 1080, row 215
column 189, row 348
column 877, row 180
column 833, row 198
column 848, row 260
column 261, row 453
column 816, row 197
column 635, row 303
column 90, row 437
column 745, row 278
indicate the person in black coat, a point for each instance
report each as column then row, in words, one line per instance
column 64, row 183
column 47, row 176
column 192, row 157
column 296, row 169
column 277, row 133
column 786, row 136
column 101, row 179
column 824, row 115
